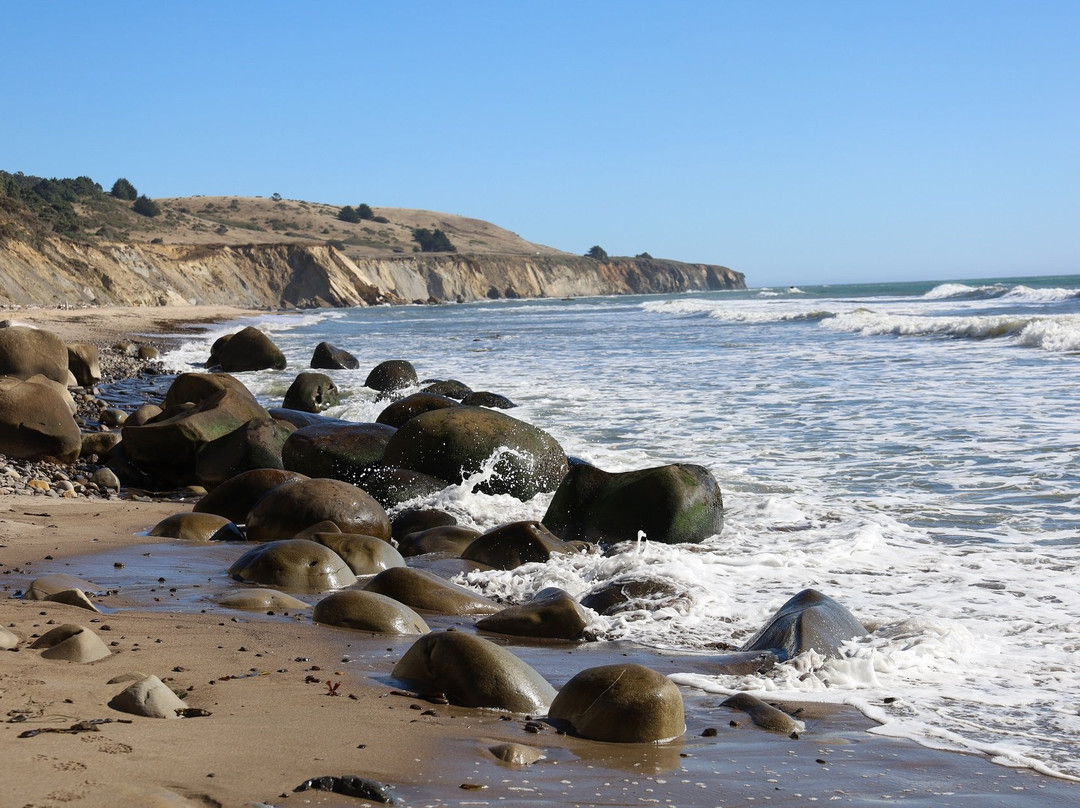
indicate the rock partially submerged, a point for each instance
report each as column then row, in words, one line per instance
column 474, row 672
column 296, row 565
column 621, row 703
column 808, row 621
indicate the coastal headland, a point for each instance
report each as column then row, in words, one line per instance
column 270, row 253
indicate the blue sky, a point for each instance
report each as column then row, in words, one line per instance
column 797, row 142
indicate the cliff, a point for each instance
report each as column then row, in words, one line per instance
column 51, row 270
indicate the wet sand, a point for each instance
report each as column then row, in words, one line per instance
column 274, row 722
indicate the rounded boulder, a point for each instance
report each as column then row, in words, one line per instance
column 311, row 392
column 295, row 565
column 288, row 509
column 474, row 672
column 458, row 441
column 368, row 611
column 622, row 704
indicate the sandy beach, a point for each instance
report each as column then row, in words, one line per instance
column 287, row 700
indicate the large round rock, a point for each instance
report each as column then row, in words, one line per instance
column 295, row 565
column 235, row 497
column 329, row 357
column 35, row 422
column 394, row 374
column 248, row 349
column 456, row 441
column 368, row 611
column 809, row 620
column 197, row 527
column 671, row 504
column 621, row 703
column 199, row 408
column 25, row 352
column 474, row 672
column 288, row 509
column 341, row 451
column 311, row 392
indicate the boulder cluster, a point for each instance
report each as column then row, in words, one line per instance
column 314, row 497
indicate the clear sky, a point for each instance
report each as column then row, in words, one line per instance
column 797, row 142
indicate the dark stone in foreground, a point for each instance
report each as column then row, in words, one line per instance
column 311, row 392
column 552, row 614
column 350, row 785
column 288, row 509
column 402, row 410
column 511, row 545
column 235, row 497
column 809, row 620
column 763, row 715
column 671, row 504
column 339, row 451
column 394, row 374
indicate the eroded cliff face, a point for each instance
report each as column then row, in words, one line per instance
column 53, row 271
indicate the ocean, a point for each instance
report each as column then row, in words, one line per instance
column 910, row 449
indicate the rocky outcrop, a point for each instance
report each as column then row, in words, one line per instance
column 52, row 270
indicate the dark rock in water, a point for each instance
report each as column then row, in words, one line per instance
column 486, row 399
column 295, row 565
column 809, row 620
column 508, row 546
column 235, row 497
column 671, row 504
column 199, row 408
column 255, row 445
column 394, row 374
column 26, row 352
column 473, row 672
column 248, row 349
column 625, row 594
column 350, row 785
column 392, row 486
column 197, row 527
column 450, row 442
column 621, row 704
column 311, row 392
column 402, row 410
column 84, row 363
column 36, row 423
column 338, row 451
column 287, row 509
column 415, row 519
column 368, row 611
column 302, row 419
column 764, row 715
column 551, row 614
column 450, row 539
column 327, row 357
column 365, row 555
column 428, row 592
column 451, row 388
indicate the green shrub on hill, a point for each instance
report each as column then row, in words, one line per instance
column 433, row 240
column 145, row 206
column 597, row 252
column 349, row 214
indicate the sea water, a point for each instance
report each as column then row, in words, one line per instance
column 911, row 450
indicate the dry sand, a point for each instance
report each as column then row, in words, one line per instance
column 274, row 722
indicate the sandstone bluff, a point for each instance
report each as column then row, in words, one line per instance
column 286, row 253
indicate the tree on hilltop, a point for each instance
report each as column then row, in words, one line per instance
column 365, row 212
column 349, row 214
column 122, row 189
column 597, row 252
